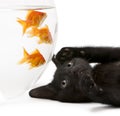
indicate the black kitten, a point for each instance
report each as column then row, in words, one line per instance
column 65, row 85
column 76, row 81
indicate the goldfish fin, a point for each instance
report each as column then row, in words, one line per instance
column 24, row 59
column 23, row 23
column 40, row 42
column 45, row 35
column 25, row 53
column 30, row 67
column 43, row 19
column 50, row 40
column 35, row 51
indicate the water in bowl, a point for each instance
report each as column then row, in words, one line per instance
column 17, row 43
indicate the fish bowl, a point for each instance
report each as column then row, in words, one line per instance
column 28, row 30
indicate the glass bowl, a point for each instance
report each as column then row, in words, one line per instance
column 28, row 31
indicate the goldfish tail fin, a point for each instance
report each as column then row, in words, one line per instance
column 25, row 53
column 45, row 35
column 50, row 40
column 23, row 23
column 24, row 59
column 43, row 19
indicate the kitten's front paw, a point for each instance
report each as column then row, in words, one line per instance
column 65, row 54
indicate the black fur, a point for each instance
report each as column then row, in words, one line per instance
column 76, row 81
column 65, row 86
column 91, row 54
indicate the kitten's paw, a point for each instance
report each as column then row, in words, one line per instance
column 65, row 54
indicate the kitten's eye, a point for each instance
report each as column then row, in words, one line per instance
column 64, row 83
column 69, row 64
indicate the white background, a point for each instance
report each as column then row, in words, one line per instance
column 81, row 22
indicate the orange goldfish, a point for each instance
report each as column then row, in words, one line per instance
column 33, row 18
column 43, row 34
column 35, row 59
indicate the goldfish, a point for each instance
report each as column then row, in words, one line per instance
column 33, row 18
column 35, row 59
column 43, row 34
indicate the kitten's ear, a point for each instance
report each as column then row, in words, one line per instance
column 46, row 92
column 55, row 61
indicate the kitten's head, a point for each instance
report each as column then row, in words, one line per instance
column 71, row 82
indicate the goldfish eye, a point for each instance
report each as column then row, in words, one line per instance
column 64, row 84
